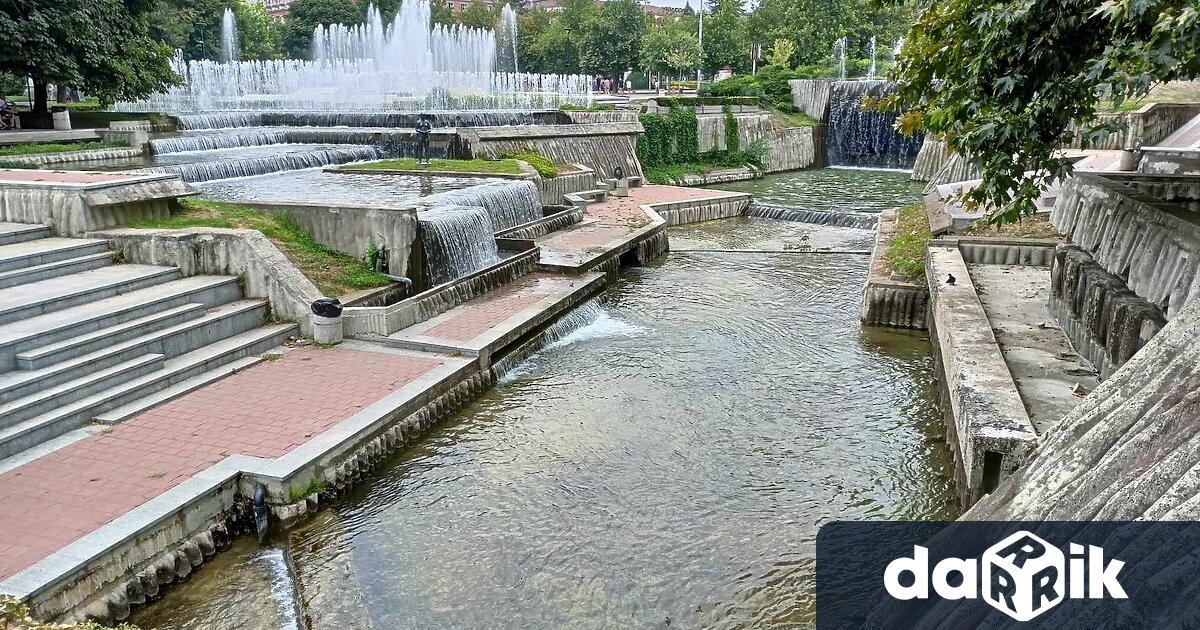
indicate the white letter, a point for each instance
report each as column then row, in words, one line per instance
column 918, row 566
column 1102, row 576
column 970, row 578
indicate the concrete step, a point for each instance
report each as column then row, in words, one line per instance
column 71, row 322
column 50, row 425
column 96, row 381
column 194, row 330
column 20, row 232
column 47, row 250
column 55, row 269
column 56, row 294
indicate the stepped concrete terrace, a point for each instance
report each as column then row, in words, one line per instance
column 614, row 226
column 82, row 336
column 74, row 203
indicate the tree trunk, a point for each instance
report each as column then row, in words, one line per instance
column 61, row 95
column 40, row 106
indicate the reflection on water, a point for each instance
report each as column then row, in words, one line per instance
column 314, row 185
column 836, row 189
column 751, row 233
column 667, row 464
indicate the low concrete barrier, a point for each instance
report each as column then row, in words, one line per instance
column 891, row 301
column 599, row 146
column 553, row 189
column 266, row 272
column 541, row 227
column 987, row 425
column 73, row 204
column 697, row 210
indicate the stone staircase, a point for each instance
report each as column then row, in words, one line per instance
column 83, row 339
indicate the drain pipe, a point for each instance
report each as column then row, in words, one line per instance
column 402, row 280
column 262, row 513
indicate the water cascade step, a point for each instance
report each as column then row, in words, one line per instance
column 457, row 240
column 248, row 167
column 855, row 136
column 859, row 220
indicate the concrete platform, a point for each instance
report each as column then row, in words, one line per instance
column 487, row 324
column 47, row 136
column 1041, row 360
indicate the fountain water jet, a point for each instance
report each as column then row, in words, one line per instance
column 230, row 44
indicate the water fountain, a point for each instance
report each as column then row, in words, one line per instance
column 855, row 136
column 839, row 54
column 871, row 52
column 457, row 240
column 506, row 41
column 407, row 65
column 230, row 44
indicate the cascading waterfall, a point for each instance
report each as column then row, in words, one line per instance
column 408, row 64
column 406, row 120
column 458, row 240
column 223, row 120
column 858, row 220
column 209, row 142
column 248, row 167
column 508, row 204
column 857, row 137
column 230, row 45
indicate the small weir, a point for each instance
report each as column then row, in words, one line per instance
column 457, row 241
column 855, row 136
column 364, row 119
column 211, row 141
column 283, row 587
column 248, row 167
column 858, row 220
column 510, row 203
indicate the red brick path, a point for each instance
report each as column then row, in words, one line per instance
column 264, row 411
column 482, row 313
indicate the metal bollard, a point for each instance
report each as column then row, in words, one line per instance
column 327, row 321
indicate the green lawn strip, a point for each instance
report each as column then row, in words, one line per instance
column 33, row 149
column 17, row 164
column 798, row 119
column 333, row 272
column 906, row 254
column 498, row 167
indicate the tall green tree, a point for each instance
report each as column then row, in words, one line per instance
column 258, row 35
column 100, row 46
column 725, row 38
column 1003, row 82
column 612, row 39
column 191, row 26
column 479, row 15
column 670, row 46
column 305, row 15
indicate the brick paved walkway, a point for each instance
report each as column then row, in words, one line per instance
column 265, row 411
column 465, row 323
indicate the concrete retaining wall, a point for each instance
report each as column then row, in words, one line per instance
column 544, row 226
column 375, row 322
column 987, row 425
column 74, row 210
column 1146, row 126
column 351, row 229
column 788, row 149
column 553, row 189
column 588, row 118
column 68, row 157
column 887, row 300
column 1153, row 245
column 266, row 272
column 938, row 165
column 601, row 146
column 1016, row 251
column 812, row 96
column 683, row 212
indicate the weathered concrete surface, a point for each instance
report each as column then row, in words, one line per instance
column 601, row 146
column 890, row 300
column 74, row 203
column 1149, row 125
column 988, row 427
column 545, row 225
column 553, row 189
column 1153, row 246
column 788, row 149
column 67, row 157
column 1047, row 371
column 812, row 96
column 351, row 229
column 267, row 273
column 47, row 135
column 937, row 164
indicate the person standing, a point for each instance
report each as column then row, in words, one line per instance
column 423, row 130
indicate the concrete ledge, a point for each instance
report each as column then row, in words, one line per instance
column 265, row 271
column 987, row 425
column 648, row 242
column 554, row 189
column 76, row 202
column 67, row 157
column 1037, row 252
column 381, row 321
column 888, row 300
column 546, row 225
column 720, row 175
column 719, row 206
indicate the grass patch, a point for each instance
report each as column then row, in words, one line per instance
column 31, row 149
column 598, row 107
column 17, row 164
column 314, row 486
column 497, row 167
column 906, row 254
column 333, row 272
column 1037, row 226
column 539, row 162
column 797, row 119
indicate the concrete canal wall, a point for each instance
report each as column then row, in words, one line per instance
column 74, row 204
column 599, row 146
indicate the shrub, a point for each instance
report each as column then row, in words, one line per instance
column 654, row 146
column 683, row 123
column 733, row 140
column 540, row 163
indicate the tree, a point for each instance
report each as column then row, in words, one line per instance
column 781, row 53
column 612, row 40
column 305, row 15
column 670, row 46
column 1003, row 82
column 192, row 26
column 441, row 13
column 258, row 36
column 725, row 38
column 479, row 15
column 100, row 46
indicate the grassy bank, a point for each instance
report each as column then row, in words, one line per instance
column 33, row 148
column 334, row 273
column 906, row 254
column 498, row 167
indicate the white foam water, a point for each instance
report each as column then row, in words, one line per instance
column 283, row 587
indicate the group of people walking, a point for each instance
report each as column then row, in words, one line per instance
column 608, row 85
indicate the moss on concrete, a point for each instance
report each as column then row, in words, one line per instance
column 906, row 254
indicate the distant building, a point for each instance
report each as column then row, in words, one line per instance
column 277, row 9
column 458, row 6
column 653, row 11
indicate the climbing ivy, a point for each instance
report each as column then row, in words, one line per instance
column 654, row 146
column 683, row 123
column 733, row 142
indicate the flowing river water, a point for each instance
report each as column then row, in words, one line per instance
column 668, row 464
